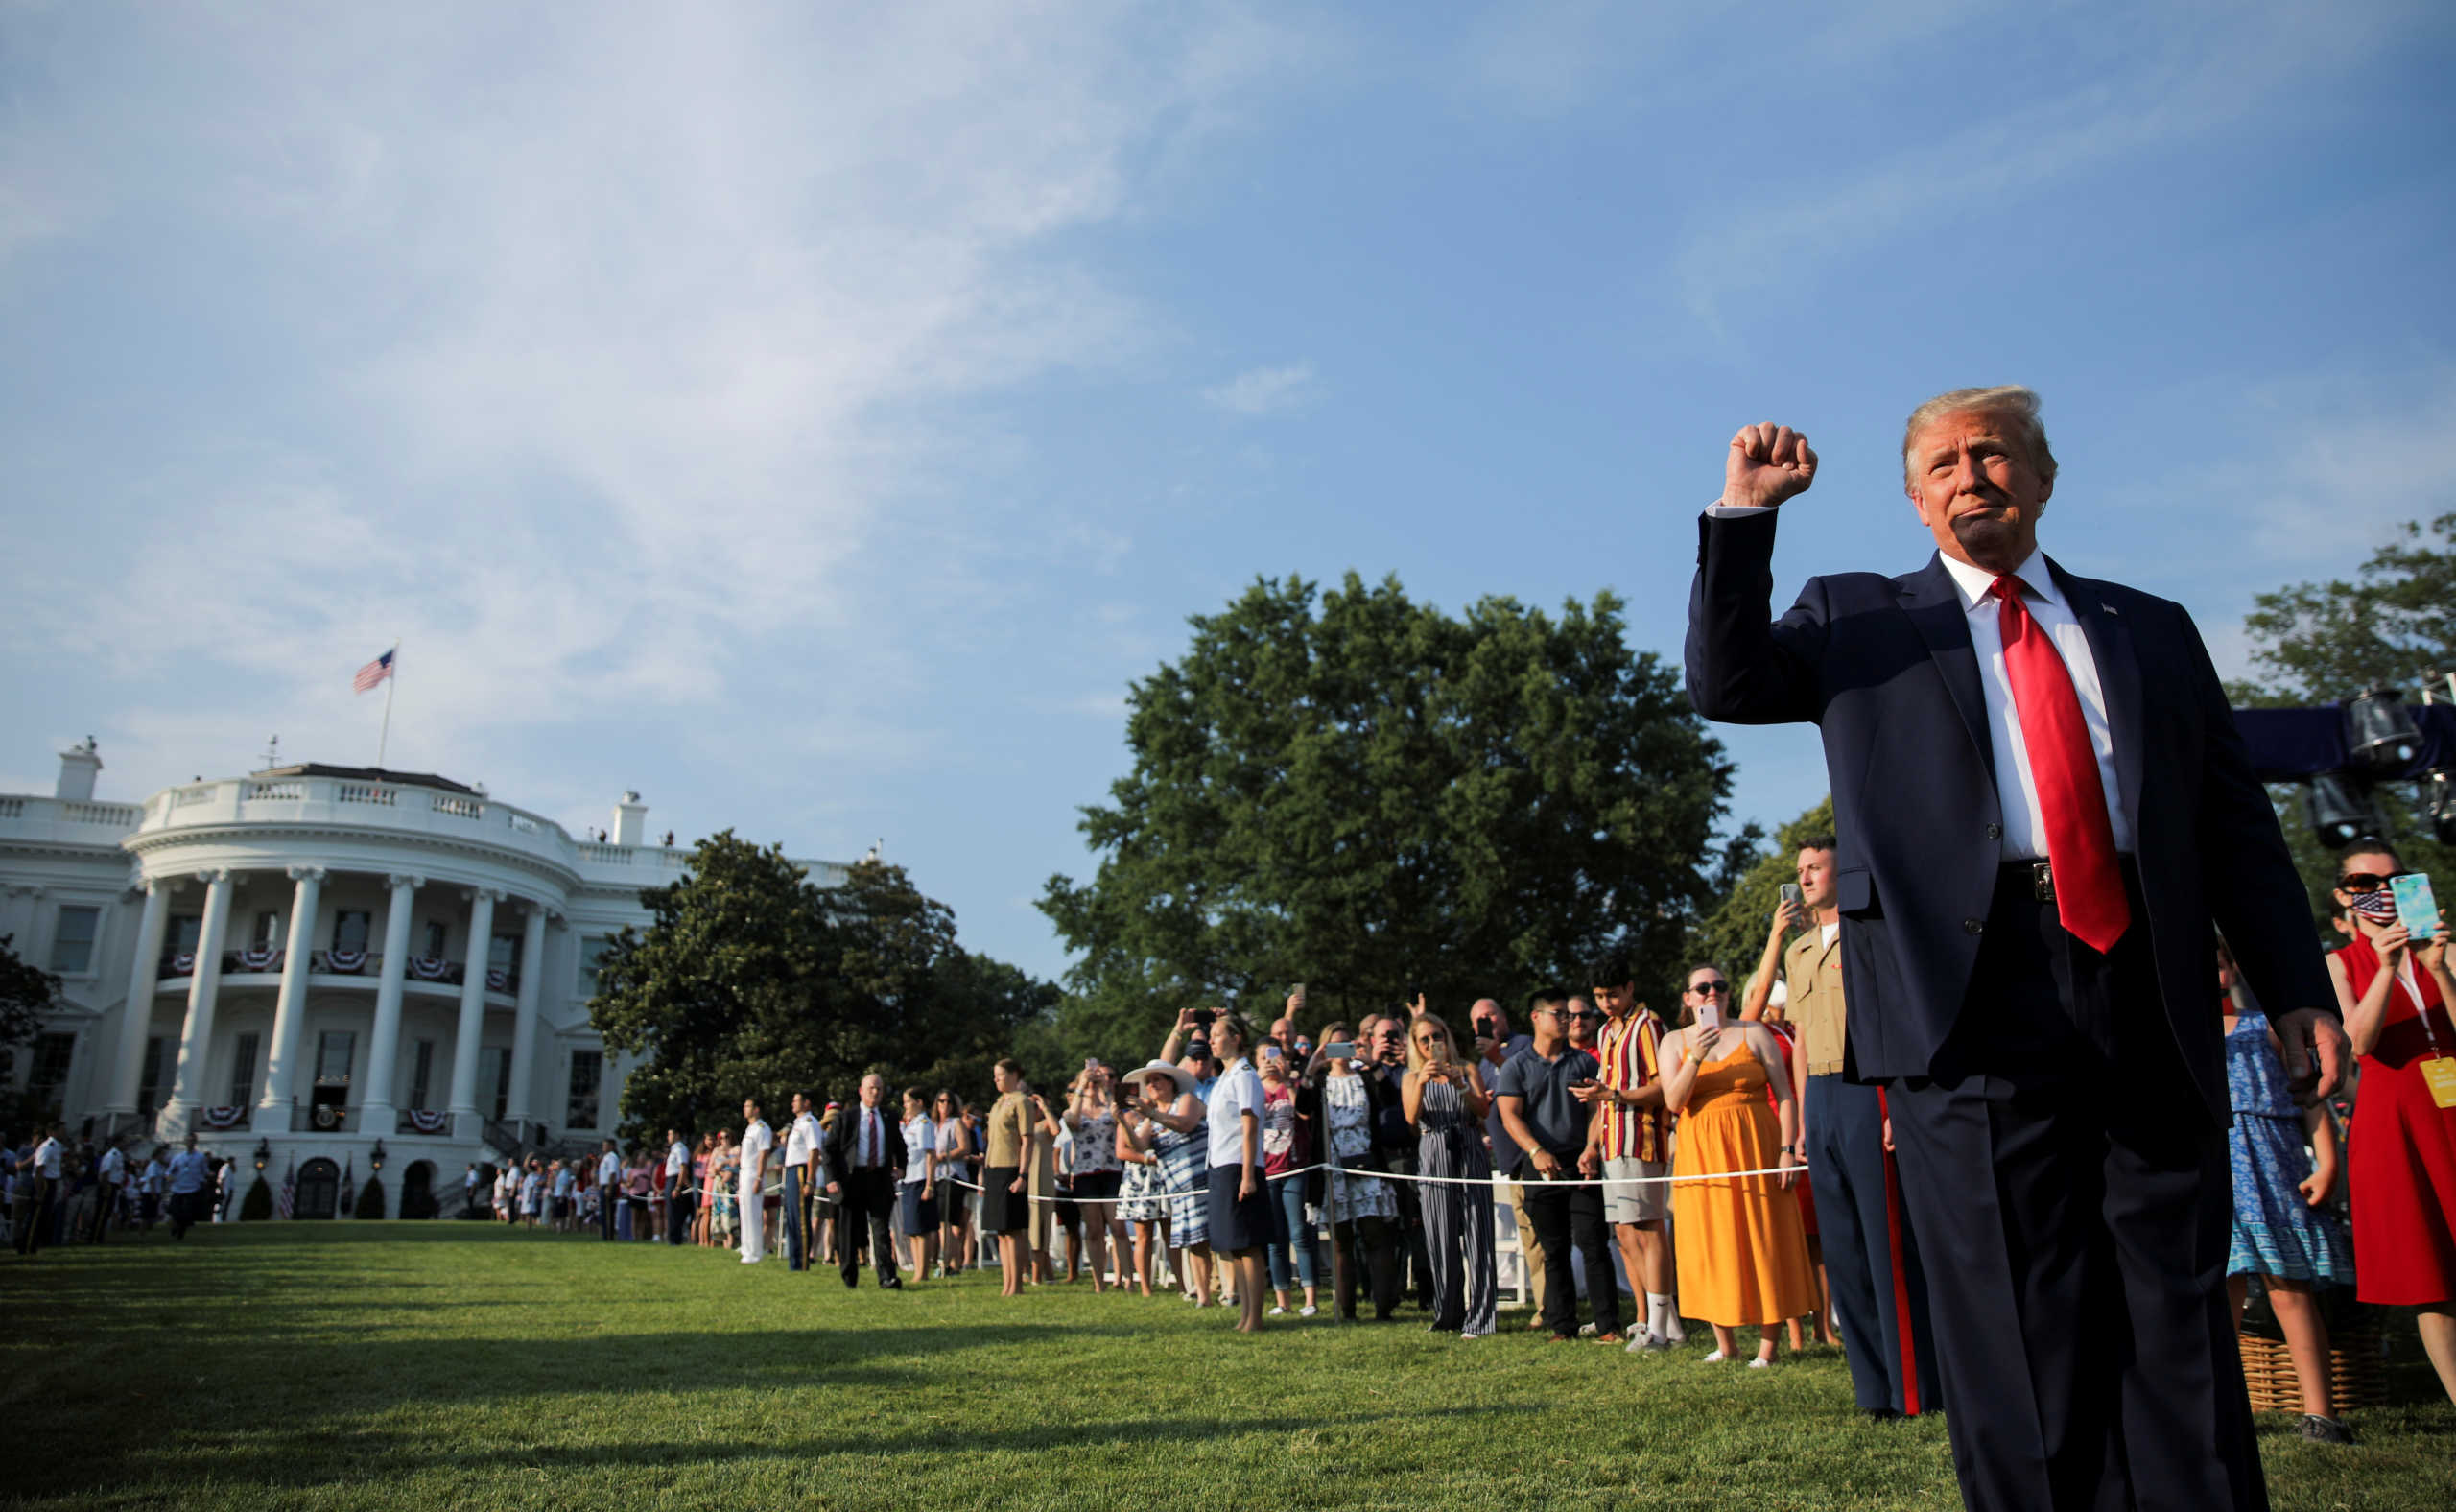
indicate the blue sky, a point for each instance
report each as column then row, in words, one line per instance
column 815, row 416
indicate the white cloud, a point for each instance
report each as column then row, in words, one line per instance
column 619, row 344
column 1264, row 391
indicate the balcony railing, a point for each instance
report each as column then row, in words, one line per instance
column 268, row 961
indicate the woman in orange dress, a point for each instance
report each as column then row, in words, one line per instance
column 1742, row 1257
column 2401, row 1157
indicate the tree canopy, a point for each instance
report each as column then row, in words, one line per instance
column 751, row 980
column 27, row 992
column 1365, row 795
column 2394, row 625
column 1733, row 935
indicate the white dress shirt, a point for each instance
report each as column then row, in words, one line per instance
column 609, row 1169
column 756, row 1141
column 801, row 1141
column 678, row 1161
column 2015, row 792
column 1238, row 1091
column 920, row 1143
column 868, row 1148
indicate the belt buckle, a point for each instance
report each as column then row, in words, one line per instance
column 2043, row 880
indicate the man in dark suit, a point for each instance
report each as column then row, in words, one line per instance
column 2043, row 806
column 864, row 1161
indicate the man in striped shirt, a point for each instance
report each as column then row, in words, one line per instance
column 1626, row 1141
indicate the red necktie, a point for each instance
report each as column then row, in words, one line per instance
column 2080, row 840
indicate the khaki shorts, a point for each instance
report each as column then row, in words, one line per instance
column 1629, row 1199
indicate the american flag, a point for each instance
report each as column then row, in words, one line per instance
column 372, row 672
column 288, row 1199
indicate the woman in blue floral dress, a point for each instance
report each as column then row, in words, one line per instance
column 2283, row 1232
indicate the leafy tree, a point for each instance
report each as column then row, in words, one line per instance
column 2392, row 626
column 751, row 980
column 1362, row 793
column 26, row 994
column 1733, row 935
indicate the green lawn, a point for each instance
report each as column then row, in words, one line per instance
column 438, row 1364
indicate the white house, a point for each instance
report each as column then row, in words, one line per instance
column 308, row 962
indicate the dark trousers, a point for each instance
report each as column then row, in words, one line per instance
column 1414, row 1257
column 2073, row 1199
column 1567, row 1216
column 33, row 1216
column 795, row 1217
column 1373, row 1245
column 105, row 1209
column 1871, row 1260
column 681, row 1205
column 606, row 1196
column 187, row 1208
column 867, row 1216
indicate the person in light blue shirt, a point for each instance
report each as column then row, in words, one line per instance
column 191, row 1173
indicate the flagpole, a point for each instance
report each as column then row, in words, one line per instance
column 391, row 682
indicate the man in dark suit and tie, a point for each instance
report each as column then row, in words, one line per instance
column 2043, row 806
column 865, row 1160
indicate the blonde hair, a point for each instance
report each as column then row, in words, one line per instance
column 2013, row 401
column 1415, row 1056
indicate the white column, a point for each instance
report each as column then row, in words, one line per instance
column 136, row 1019
column 375, row 1115
column 196, row 1037
column 290, row 1009
column 524, row 1033
column 473, row 1011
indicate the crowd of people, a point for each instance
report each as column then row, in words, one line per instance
column 1715, row 1160
column 54, row 1190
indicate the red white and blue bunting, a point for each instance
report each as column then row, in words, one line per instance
column 498, row 979
column 430, row 968
column 183, row 964
column 349, row 962
column 265, row 958
column 424, row 1121
column 223, row 1118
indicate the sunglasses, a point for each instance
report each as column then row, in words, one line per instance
column 1589, row 1013
column 2360, row 882
column 1707, row 990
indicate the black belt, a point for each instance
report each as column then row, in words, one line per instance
column 2039, row 876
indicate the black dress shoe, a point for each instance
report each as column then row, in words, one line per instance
column 1879, row 1414
column 892, row 1283
column 2325, row 1430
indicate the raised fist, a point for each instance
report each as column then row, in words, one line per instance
column 1766, row 464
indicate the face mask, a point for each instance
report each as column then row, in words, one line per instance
column 2379, row 907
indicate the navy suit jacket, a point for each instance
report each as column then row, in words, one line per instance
column 1885, row 668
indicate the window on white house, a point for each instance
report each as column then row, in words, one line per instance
column 588, row 1076
column 72, row 942
column 242, row 1071
column 47, row 1080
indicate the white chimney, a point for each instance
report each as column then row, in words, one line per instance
column 631, row 821
column 78, row 764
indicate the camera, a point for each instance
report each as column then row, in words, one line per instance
column 1202, row 1017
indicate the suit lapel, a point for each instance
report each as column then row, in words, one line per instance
column 2119, row 675
column 1935, row 608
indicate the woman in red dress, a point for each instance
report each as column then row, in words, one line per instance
column 2400, row 1159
